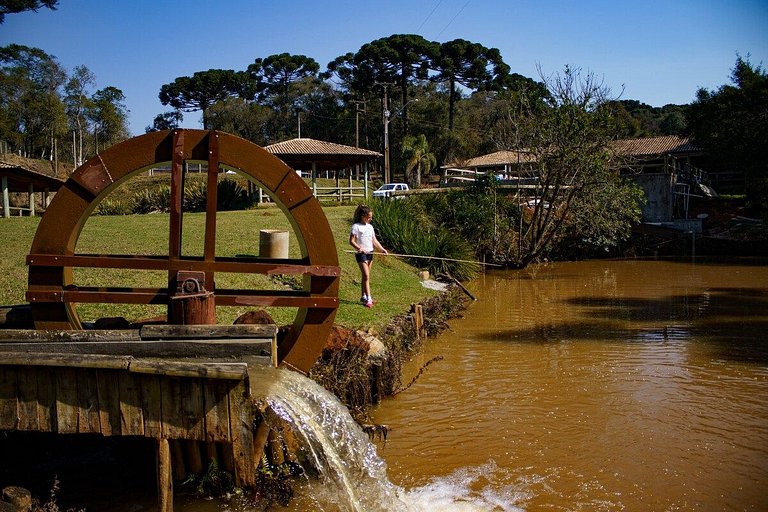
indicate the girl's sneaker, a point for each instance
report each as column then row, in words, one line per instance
column 369, row 303
column 363, row 299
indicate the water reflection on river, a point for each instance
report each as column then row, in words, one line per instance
column 599, row 385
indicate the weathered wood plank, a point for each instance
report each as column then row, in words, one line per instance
column 241, row 426
column 46, row 399
column 87, row 402
column 65, row 360
column 208, row 332
column 182, row 407
column 27, row 392
column 138, row 348
column 151, row 399
column 235, row 371
column 172, row 424
column 66, row 400
column 217, row 410
column 108, row 390
column 192, row 409
column 131, row 417
column 43, row 336
column 9, row 403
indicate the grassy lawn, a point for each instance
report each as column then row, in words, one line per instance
column 395, row 284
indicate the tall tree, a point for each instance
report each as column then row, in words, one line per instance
column 397, row 60
column 284, row 82
column 108, row 116
column 567, row 139
column 275, row 74
column 324, row 116
column 247, row 119
column 732, row 124
column 472, row 65
column 17, row 6
column 31, row 112
column 204, row 88
column 166, row 121
column 78, row 103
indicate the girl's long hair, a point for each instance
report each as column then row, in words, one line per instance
column 361, row 212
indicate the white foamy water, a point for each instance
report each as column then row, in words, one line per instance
column 466, row 490
column 352, row 477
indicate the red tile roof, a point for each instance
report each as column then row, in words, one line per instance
column 305, row 154
column 304, row 146
column 646, row 146
column 499, row 158
column 662, row 145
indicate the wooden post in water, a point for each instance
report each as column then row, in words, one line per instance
column 417, row 314
column 164, row 476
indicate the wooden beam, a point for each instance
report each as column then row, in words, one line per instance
column 233, row 371
column 241, row 264
column 208, row 332
column 66, row 360
column 261, row 348
column 91, row 336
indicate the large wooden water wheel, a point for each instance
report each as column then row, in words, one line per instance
column 52, row 292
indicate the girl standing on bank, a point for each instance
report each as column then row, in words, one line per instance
column 363, row 238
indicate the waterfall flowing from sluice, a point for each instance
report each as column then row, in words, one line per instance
column 352, row 475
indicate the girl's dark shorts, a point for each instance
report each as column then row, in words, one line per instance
column 362, row 257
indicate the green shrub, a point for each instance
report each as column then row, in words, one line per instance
column 232, row 196
column 156, row 199
column 195, row 194
column 404, row 228
column 116, row 206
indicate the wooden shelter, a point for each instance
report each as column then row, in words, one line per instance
column 305, row 154
column 17, row 175
column 667, row 168
column 316, row 156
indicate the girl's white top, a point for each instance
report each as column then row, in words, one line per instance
column 363, row 234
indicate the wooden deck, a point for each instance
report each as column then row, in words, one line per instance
column 123, row 383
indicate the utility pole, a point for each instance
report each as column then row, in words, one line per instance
column 357, row 104
column 385, row 120
column 385, row 111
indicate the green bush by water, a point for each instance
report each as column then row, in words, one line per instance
column 404, row 228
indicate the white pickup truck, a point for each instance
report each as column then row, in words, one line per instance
column 387, row 189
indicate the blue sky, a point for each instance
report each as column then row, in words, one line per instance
column 658, row 51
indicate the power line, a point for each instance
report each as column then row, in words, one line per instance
column 456, row 16
column 429, row 15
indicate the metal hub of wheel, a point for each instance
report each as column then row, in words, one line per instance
column 52, row 293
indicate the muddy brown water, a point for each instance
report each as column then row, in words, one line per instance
column 598, row 385
column 587, row 386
